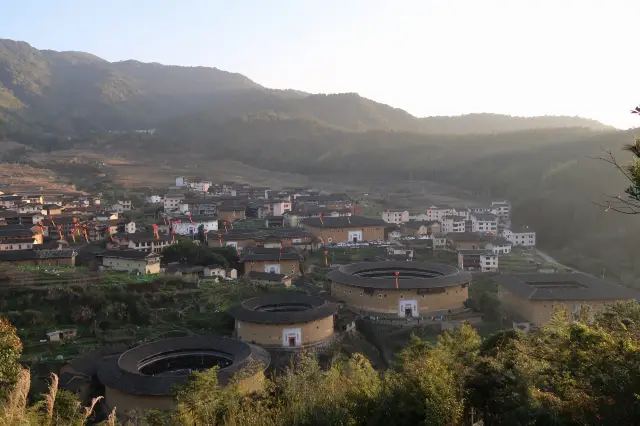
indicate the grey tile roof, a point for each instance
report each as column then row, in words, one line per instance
column 484, row 216
column 343, row 222
column 416, row 224
column 303, row 308
column 467, row 237
column 413, row 275
column 471, row 252
column 266, row 276
column 259, row 253
column 128, row 254
column 123, row 373
column 16, row 255
column 563, row 286
column 12, row 231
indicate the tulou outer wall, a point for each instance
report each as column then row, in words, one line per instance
column 271, row 334
column 388, row 300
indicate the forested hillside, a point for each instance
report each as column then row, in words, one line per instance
column 550, row 175
column 74, row 92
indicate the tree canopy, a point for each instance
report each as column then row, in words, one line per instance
column 565, row 374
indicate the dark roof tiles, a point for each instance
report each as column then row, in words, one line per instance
column 563, row 286
column 343, row 222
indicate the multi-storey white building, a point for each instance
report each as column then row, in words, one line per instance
column 462, row 211
column 185, row 225
column 126, row 205
column 436, row 213
column 501, row 208
column 477, row 260
column 153, row 199
column 279, row 208
column 484, row 222
column 453, row 224
column 395, row 216
column 523, row 237
column 200, row 185
column 172, row 202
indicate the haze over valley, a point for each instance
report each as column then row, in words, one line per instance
column 310, row 214
column 61, row 100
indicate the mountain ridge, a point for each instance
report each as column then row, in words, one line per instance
column 74, row 91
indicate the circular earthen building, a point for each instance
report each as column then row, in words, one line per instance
column 285, row 320
column 401, row 289
column 145, row 377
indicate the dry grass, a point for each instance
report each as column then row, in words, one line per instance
column 50, row 397
column 15, row 411
column 12, row 413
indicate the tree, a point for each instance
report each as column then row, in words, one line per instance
column 423, row 391
column 188, row 252
column 10, row 351
column 201, row 234
column 630, row 203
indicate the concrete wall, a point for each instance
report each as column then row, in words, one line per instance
column 287, row 267
column 271, row 334
column 341, row 235
column 388, row 300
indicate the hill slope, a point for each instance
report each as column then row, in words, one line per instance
column 77, row 91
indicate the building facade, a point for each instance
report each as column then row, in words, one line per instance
column 345, row 229
column 419, row 289
column 395, row 217
column 477, row 260
column 132, row 261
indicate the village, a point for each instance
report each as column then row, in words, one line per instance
column 87, row 276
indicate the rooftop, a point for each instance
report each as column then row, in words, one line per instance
column 129, row 254
column 467, row 237
column 17, row 255
column 411, row 275
column 563, row 286
column 471, row 252
column 266, row 276
column 416, row 224
column 484, row 216
column 12, row 231
column 260, row 253
column 156, row 368
column 343, row 222
column 283, row 308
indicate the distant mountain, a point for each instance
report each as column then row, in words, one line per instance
column 496, row 123
column 77, row 91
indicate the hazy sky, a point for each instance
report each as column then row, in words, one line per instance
column 441, row 57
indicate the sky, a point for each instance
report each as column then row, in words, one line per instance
column 429, row 57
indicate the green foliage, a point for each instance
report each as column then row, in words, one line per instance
column 10, row 351
column 188, row 252
column 566, row 374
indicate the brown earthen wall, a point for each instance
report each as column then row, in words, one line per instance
column 287, row 267
column 388, row 300
column 540, row 312
column 124, row 402
column 271, row 334
column 229, row 217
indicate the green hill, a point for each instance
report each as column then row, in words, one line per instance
column 77, row 91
